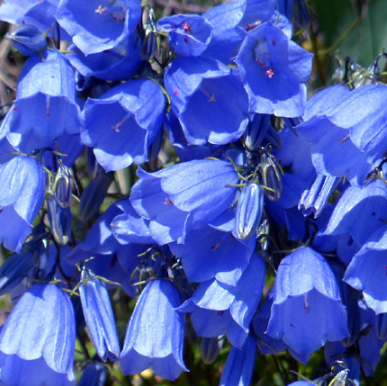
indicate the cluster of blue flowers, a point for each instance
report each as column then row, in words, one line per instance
column 255, row 214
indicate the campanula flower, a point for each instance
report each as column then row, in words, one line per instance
column 219, row 308
column 356, row 207
column 37, row 341
column 306, row 295
column 367, row 271
column 98, row 25
column 199, row 90
column 334, row 153
column 273, row 70
column 46, row 107
column 118, row 63
column 189, row 35
column 25, row 182
column 155, row 334
column 200, row 189
column 121, row 124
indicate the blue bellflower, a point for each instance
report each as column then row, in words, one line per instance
column 273, row 70
column 121, row 125
column 37, row 341
column 198, row 189
column 24, row 182
column 46, row 107
column 306, row 295
column 189, row 35
column 118, row 63
column 98, row 25
column 155, row 334
column 199, row 91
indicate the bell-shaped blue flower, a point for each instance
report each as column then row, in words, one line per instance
column 45, row 106
column 155, row 334
column 359, row 211
column 24, row 181
column 37, row 341
column 98, row 25
column 219, row 308
column 99, row 316
column 207, row 253
column 118, row 63
column 121, row 125
column 199, row 189
column 199, row 90
column 367, row 271
column 333, row 151
column 273, row 70
column 189, row 35
column 306, row 295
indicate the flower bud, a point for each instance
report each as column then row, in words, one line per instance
column 62, row 186
column 256, row 131
column 60, row 219
column 380, row 326
column 270, row 177
column 249, row 211
column 15, row 269
column 93, row 196
column 99, row 316
column 27, row 39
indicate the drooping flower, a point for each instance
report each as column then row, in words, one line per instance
column 121, row 125
column 199, row 90
column 46, row 107
column 98, row 25
column 24, row 182
column 37, row 341
column 183, row 195
column 306, row 295
column 155, row 334
column 273, row 70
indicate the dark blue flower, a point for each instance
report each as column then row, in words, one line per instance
column 219, row 308
column 155, row 334
column 37, row 341
column 306, row 295
column 118, row 63
column 273, row 70
column 189, row 35
column 359, row 211
column 45, row 107
column 121, row 125
column 24, row 183
column 182, row 196
column 333, row 152
column 200, row 91
column 98, row 25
